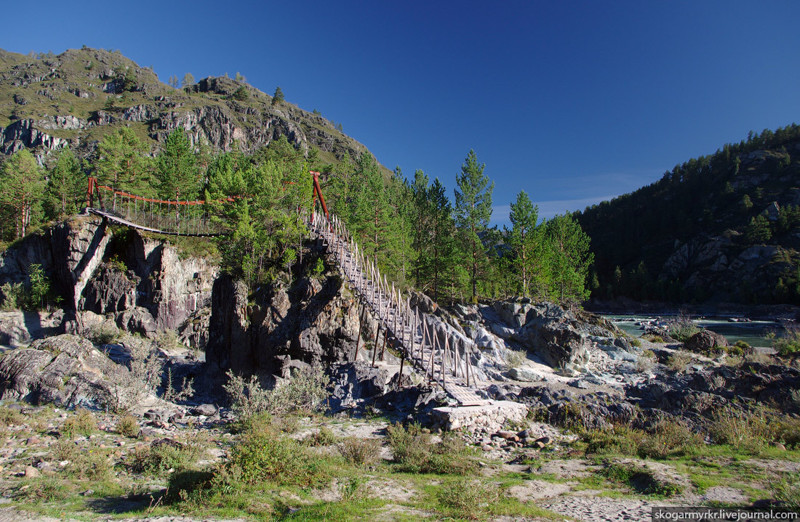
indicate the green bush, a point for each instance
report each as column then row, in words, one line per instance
column 305, row 392
column 161, row 457
column 789, row 343
column 641, row 479
column 744, row 430
column 464, row 498
column 323, row 437
column 83, row 422
column 14, row 297
column 414, row 452
column 682, row 329
column 361, row 452
column 264, row 454
column 128, row 426
column 787, row 491
column 669, row 438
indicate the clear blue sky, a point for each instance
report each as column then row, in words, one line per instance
column 573, row 102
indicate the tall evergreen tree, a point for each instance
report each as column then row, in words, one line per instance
column 21, row 189
column 176, row 168
column 472, row 212
column 570, row 259
column 121, row 162
column 66, row 186
column 524, row 216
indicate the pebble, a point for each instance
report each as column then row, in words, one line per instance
column 31, row 472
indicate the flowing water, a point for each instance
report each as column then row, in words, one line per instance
column 752, row 332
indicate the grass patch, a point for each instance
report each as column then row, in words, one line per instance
column 641, row 479
column 414, row 452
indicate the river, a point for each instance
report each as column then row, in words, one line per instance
column 752, row 332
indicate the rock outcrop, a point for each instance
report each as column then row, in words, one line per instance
column 65, row 370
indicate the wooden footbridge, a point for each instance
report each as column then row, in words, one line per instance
column 432, row 346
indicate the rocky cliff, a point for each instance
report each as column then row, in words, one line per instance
column 48, row 102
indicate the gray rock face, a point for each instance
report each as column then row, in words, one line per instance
column 110, row 291
column 65, row 370
column 544, row 329
column 284, row 323
column 355, row 381
column 19, row 328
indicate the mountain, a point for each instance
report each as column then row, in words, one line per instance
column 719, row 228
column 73, row 99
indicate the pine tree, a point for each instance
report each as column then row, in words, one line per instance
column 570, row 259
column 21, row 190
column 121, row 162
column 472, row 212
column 176, row 168
column 524, row 216
column 66, row 186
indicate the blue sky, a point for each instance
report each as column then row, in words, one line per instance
column 572, row 101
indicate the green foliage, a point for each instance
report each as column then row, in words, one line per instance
column 241, row 94
column 176, row 172
column 277, row 97
column 414, row 452
column 258, row 201
column 472, row 211
column 188, row 79
column 641, row 479
column 121, row 162
column 83, row 422
column 305, row 392
column 263, row 454
column 128, row 426
column 786, row 491
column 360, row 451
column 66, row 186
column 788, row 344
column 21, row 190
column 569, row 260
column 524, row 217
column 14, row 296
column 466, row 498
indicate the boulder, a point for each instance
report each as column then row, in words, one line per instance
column 353, row 382
column 65, row 370
column 110, row 290
column 706, row 342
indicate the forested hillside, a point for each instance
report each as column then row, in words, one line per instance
column 723, row 227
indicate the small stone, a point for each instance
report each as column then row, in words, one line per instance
column 486, row 447
column 31, row 472
column 778, row 445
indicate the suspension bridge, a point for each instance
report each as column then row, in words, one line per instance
column 435, row 349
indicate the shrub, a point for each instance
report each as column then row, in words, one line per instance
column 682, row 328
column 323, row 437
column 653, row 338
column 161, row 457
column 10, row 417
column 413, row 451
column 304, row 392
column 263, row 454
column 133, row 384
column 128, row 426
column 789, row 343
column 515, row 358
column 669, row 438
column 679, row 361
column 619, row 439
column 361, row 452
column 645, row 361
column 464, row 498
column 104, row 333
column 14, row 297
column 740, row 348
column 739, row 428
column 83, row 422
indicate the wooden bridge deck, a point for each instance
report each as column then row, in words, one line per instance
column 110, row 216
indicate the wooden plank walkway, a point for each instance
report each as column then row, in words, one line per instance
column 424, row 340
column 122, row 221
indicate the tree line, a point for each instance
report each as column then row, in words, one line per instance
column 410, row 227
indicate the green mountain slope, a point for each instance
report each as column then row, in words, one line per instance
column 721, row 228
column 73, row 99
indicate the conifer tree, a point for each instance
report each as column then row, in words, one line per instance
column 66, row 186
column 523, row 216
column 176, row 168
column 569, row 260
column 472, row 212
column 121, row 162
column 21, row 189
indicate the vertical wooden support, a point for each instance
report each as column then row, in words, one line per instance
column 375, row 348
column 358, row 335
